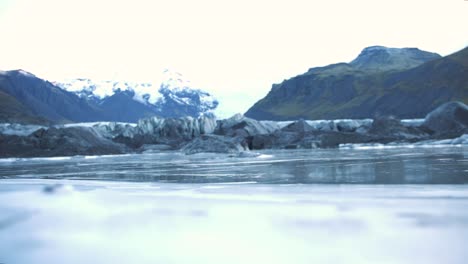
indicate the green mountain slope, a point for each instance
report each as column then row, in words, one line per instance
column 12, row 111
column 372, row 85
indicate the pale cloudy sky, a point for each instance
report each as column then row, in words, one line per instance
column 235, row 49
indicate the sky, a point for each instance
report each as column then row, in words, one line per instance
column 234, row 49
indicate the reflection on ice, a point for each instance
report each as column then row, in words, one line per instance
column 455, row 142
column 211, row 208
column 396, row 165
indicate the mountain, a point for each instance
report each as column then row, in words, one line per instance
column 13, row 111
column 25, row 98
column 173, row 96
column 379, row 58
column 36, row 99
column 405, row 83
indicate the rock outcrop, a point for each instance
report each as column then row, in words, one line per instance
column 242, row 126
column 58, row 142
column 448, row 120
column 301, row 135
column 389, row 129
column 214, row 144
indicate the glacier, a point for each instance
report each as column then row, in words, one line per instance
column 233, row 135
column 18, row 129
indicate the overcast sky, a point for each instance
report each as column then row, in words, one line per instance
column 231, row 48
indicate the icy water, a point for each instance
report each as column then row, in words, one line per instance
column 428, row 165
column 398, row 205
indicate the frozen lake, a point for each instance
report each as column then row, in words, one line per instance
column 398, row 205
column 396, row 165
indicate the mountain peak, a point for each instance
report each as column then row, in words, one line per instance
column 381, row 58
column 169, row 95
column 144, row 92
column 374, row 48
column 21, row 72
column 173, row 80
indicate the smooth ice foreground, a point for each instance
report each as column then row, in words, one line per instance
column 119, row 222
column 152, row 209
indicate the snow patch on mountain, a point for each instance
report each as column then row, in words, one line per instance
column 170, row 85
column 144, row 92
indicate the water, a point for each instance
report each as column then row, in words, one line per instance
column 405, row 205
column 447, row 165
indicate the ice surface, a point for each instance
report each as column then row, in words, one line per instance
column 457, row 142
column 407, row 164
column 211, row 208
column 123, row 222
column 413, row 122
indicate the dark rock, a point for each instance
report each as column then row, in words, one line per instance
column 308, row 140
column 333, row 139
column 57, row 188
column 155, row 148
column 299, row 126
column 448, row 120
column 139, row 140
column 58, row 142
column 241, row 126
column 262, row 141
column 391, row 129
column 214, row 144
column 276, row 140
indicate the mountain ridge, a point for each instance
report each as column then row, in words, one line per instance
column 84, row 101
column 380, row 58
column 343, row 91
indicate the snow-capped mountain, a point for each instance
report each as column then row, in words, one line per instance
column 170, row 96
